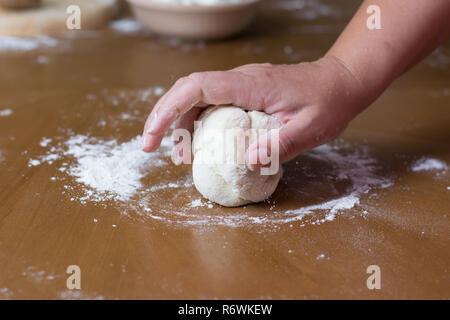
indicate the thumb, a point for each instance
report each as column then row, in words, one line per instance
column 281, row 145
column 265, row 152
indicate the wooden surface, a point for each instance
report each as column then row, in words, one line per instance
column 50, row 17
column 94, row 76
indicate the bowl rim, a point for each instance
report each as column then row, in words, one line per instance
column 155, row 5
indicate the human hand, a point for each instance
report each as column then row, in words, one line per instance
column 315, row 101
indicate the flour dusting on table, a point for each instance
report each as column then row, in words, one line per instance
column 308, row 9
column 106, row 169
column 26, row 44
column 429, row 164
column 110, row 172
column 126, row 25
column 352, row 165
column 6, row 112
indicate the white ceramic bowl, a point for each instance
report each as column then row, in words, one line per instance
column 194, row 21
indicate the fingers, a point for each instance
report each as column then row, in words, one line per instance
column 150, row 140
column 181, row 97
column 186, row 121
column 298, row 135
column 219, row 87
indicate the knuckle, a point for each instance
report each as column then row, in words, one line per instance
column 196, row 77
column 181, row 80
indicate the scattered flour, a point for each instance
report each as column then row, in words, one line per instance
column 158, row 91
column 357, row 167
column 25, row 44
column 196, row 203
column 353, row 166
column 126, row 25
column 77, row 295
column 5, row 293
column 308, row 9
column 288, row 50
column 38, row 276
column 107, row 167
column 322, row 256
column 42, row 60
column 170, row 185
column 6, row 112
column 199, row 203
column 333, row 207
column 127, row 116
column 45, row 142
column 428, row 164
column 130, row 98
column 34, row 163
column 106, row 170
column 439, row 59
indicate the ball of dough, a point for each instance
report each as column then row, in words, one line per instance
column 217, row 173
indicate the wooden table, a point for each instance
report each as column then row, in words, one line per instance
column 89, row 77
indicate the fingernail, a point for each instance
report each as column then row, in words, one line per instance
column 251, row 159
column 152, row 126
column 263, row 155
column 145, row 141
column 252, row 167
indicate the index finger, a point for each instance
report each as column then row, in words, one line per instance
column 217, row 87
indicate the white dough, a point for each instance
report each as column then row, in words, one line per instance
column 217, row 174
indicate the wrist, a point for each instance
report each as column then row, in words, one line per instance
column 356, row 94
